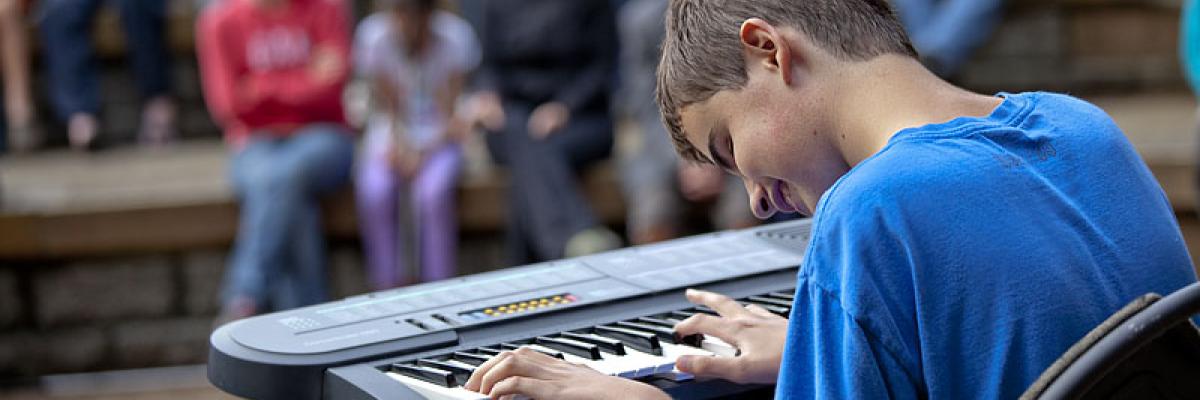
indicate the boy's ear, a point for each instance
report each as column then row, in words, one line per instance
column 765, row 46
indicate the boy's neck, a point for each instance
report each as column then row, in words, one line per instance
column 876, row 99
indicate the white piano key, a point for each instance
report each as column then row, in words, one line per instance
column 649, row 364
column 607, row 367
column 718, row 346
column 633, row 362
column 436, row 392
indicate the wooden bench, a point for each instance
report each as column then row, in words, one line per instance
column 130, row 200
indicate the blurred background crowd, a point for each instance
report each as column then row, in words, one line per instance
column 170, row 165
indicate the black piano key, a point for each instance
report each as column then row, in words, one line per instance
column 470, row 358
column 645, row 342
column 584, row 350
column 461, row 373
column 683, row 314
column 670, row 318
column 491, row 351
column 432, row 375
column 606, row 345
column 777, row 310
column 514, row 346
column 445, row 366
column 664, row 334
column 656, row 321
column 770, row 300
column 790, row 297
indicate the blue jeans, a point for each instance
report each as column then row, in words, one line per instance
column 66, row 28
column 279, row 257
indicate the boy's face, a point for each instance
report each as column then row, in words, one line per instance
column 774, row 136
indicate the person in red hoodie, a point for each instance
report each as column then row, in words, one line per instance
column 273, row 72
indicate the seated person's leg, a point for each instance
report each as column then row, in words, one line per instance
column 257, row 250
column 303, row 277
column 376, row 186
column 649, row 177
column 320, row 156
column 143, row 21
column 587, row 139
column 653, row 199
column 66, row 33
column 547, row 198
column 18, row 119
column 318, row 160
column 434, row 202
column 503, row 146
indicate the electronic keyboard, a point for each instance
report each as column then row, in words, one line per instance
column 611, row 311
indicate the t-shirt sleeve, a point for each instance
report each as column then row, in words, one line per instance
column 852, row 332
column 369, row 45
column 465, row 53
column 829, row 355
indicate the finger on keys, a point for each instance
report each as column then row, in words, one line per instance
column 720, row 303
column 759, row 311
column 476, row 379
column 523, row 362
column 516, row 386
column 722, row 328
column 722, row 367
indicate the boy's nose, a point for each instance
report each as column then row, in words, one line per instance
column 760, row 203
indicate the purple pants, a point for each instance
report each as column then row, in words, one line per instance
column 431, row 196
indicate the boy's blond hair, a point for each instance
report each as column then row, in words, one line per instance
column 702, row 54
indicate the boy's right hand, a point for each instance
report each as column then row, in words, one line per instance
column 758, row 334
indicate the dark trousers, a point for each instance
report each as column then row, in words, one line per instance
column 66, row 32
column 3, row 129
column 546, row 202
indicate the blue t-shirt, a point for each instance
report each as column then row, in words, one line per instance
column 965, row 257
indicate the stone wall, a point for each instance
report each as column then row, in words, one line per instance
column 142, row 310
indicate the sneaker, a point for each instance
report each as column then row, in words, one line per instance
column 592, row 240
column 158, row 122
column 82, row 130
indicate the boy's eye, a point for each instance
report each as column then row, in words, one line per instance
column 729, row 148
column 728, row 161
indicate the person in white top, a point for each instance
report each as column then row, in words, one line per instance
column 416, row 59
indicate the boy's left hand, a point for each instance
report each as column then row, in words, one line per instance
column 758, row 334
column 536, row 375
